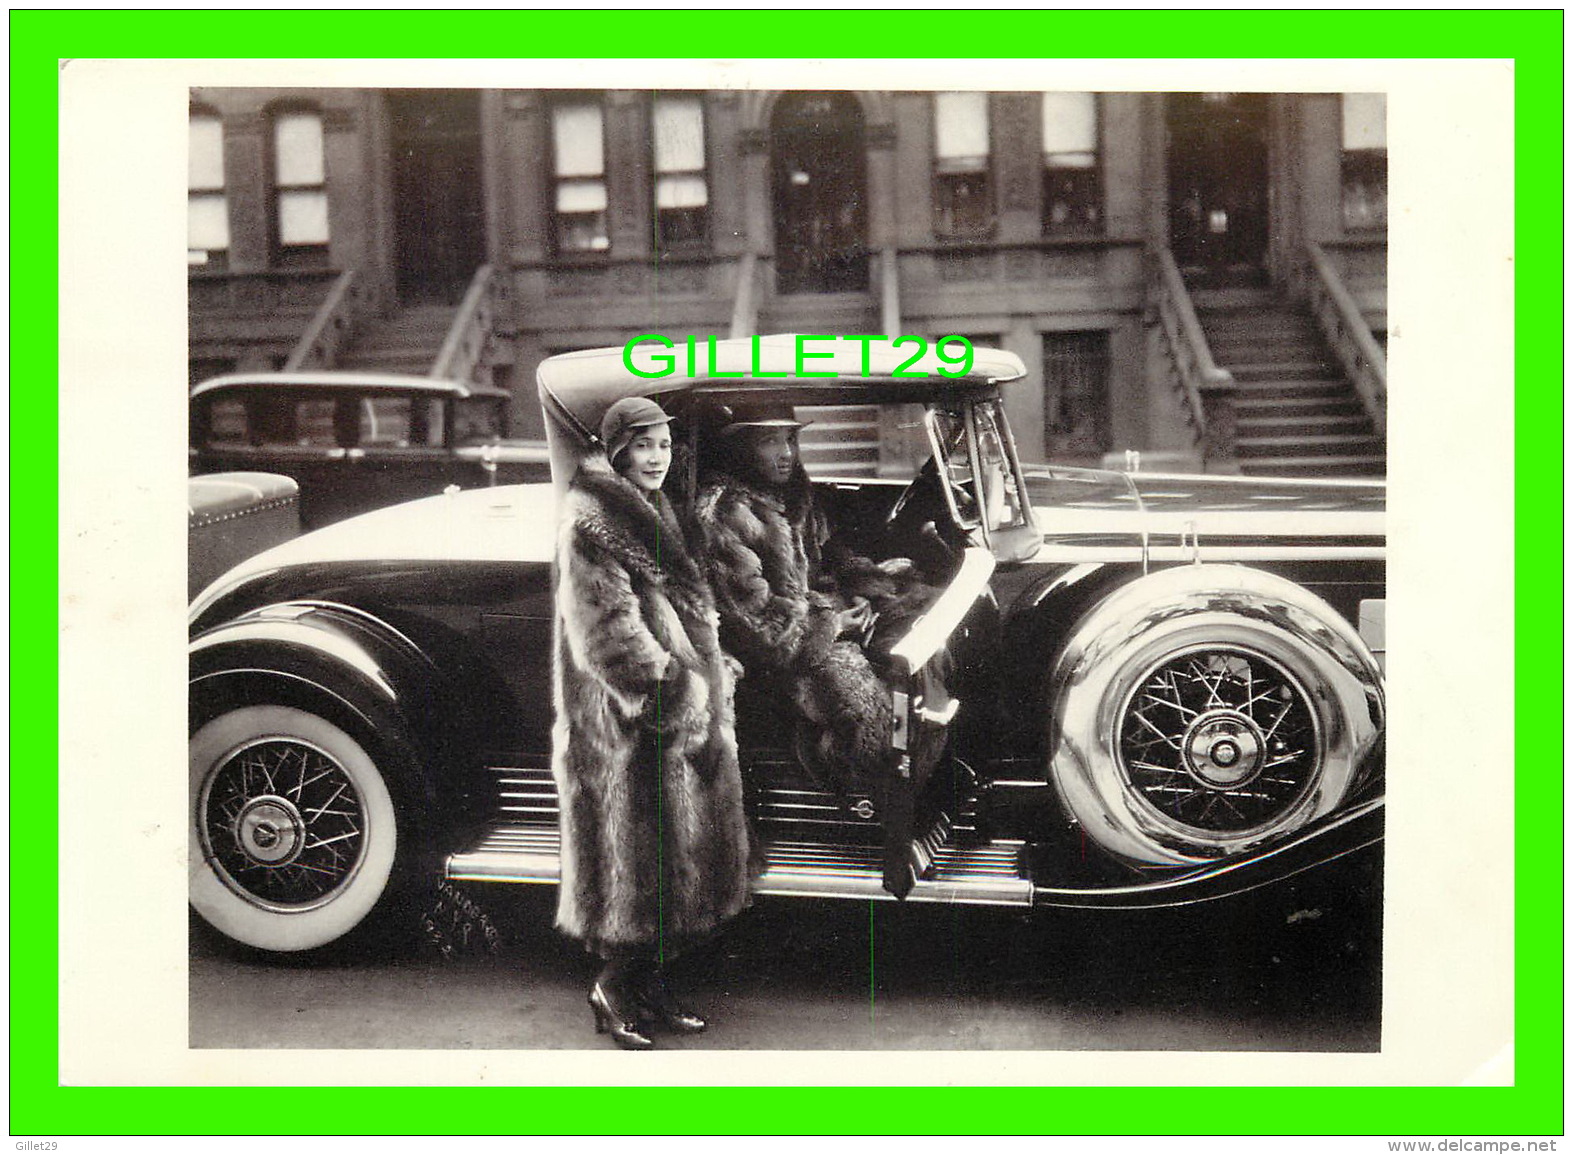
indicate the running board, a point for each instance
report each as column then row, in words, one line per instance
column 982, row 873
column 988, row 874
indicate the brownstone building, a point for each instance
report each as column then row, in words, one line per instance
column 1198, row 276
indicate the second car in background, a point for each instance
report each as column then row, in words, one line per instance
column 359, row 441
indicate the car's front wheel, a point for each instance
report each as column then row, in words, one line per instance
column 294, row 830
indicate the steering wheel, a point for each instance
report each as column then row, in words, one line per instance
column 923, row 481
column 930, row 478
column 920, row 526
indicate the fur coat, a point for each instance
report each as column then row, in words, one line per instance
column 778, row 597
column 655, row 846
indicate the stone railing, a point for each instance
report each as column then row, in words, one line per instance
column 331, row 327
column 1344, row 326
column 889, row 292
column 1204, row 388
column 467, row 349
column 745, row 297
column 901, row 439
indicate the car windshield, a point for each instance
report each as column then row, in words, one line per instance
column 1002, row 499
column 399, row 422
column 991, row 478
column 899, row 440
column 478, row 420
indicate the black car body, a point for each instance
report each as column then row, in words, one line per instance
column 1134, row 690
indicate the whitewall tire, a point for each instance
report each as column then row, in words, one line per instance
column 294, row 834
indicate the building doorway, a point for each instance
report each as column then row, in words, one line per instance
column 439, row 226
column 819, row 173
column 1218, row 187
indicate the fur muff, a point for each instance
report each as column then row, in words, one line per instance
column 778, row 602
column 655, row 847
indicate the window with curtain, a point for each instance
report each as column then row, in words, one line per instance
column 300, row 192
column 1365, row 160
column 1072, row 175
column 682, row 196
column 963, row 194
column 207, row 205
column 1076, row 392
column 579, row 171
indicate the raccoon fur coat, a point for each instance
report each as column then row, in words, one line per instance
column 655, row 845
column 779, row 589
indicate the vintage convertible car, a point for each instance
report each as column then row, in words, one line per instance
column 1133, row 690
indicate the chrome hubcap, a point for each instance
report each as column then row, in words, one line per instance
column 270, row 830
column 1223, row 748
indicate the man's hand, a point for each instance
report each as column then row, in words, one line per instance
column 855, row 619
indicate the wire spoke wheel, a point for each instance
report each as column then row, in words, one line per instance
column 1220, row 739
column 283, row 823
column 1207, row 711
column 294, row 833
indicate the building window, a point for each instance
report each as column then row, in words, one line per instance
column 1076, row 393
column 963, row 198
column 207, row 206
column 579, row 167
column 300, row 194
column 1365, row 160
column 1072, row 179
column 682, row 197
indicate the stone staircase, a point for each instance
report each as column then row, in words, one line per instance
column 406, row 341
column 842, row 441
column 1295, row 414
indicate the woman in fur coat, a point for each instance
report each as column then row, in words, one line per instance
column 655, row 851
column 790, row 605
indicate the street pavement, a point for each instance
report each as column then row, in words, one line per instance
column 1293, row 968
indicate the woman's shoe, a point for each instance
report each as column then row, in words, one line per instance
column 657, row 1001
column 625, row 1032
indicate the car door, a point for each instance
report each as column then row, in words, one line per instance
column 404, row 451
column 985, row 495
column 923, row 710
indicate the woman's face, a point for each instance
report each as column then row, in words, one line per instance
column 648, row 457
column 774, row 452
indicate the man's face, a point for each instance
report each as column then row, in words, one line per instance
column 775, row 452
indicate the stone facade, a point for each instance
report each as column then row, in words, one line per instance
column 1013, row 279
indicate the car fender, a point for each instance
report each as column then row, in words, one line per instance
column 345, row 663
column 1233, row 600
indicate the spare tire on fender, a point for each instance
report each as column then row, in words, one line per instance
column 1205, row 710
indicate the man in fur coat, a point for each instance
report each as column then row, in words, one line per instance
column 655, row 851
column 791, row 605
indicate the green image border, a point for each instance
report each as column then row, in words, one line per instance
column 1533, row 1105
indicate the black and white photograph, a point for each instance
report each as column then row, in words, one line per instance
column 740, row 562
column 726, row 509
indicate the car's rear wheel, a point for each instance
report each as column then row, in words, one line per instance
column 1209, row 713
column 295, row 834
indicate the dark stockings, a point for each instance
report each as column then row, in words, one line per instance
column 622, row 978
